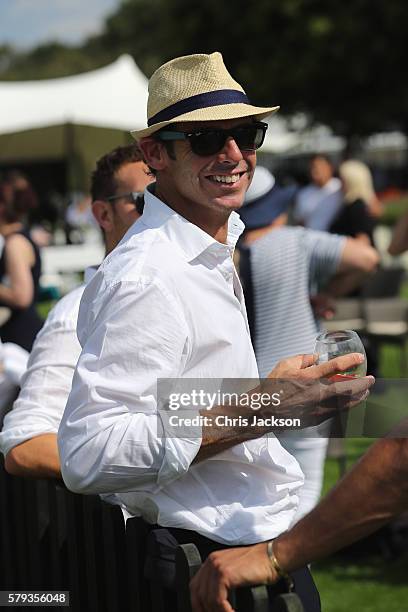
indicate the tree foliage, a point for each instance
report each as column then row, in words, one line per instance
column 47, row 61
column 341, row 63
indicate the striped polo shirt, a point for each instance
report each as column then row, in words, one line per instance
column 286, row 266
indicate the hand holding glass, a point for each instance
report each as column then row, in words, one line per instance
column 333, row 344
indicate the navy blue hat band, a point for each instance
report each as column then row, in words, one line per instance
column 204, row 100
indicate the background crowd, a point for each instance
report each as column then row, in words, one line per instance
column 339, row 199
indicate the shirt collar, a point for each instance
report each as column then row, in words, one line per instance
column 190, row 238
column 90, row 273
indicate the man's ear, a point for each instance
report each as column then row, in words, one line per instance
column 154, row 152
column 103, row 213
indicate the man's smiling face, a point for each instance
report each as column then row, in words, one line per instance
column 192, row 183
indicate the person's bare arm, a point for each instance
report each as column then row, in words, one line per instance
column 37, row 457
column 357, row 260
column 372, row 493
column 343, row 284
column 399, row 240
column 302, row 397
column 375, row 207
column 357, row 256
column 20, row 259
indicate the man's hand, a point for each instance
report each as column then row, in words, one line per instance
column 324, row 306
column 305, row 392
column 226, row 569
column 315, row 393
column 303, row 367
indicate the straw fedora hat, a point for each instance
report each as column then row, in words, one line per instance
column 195, row 88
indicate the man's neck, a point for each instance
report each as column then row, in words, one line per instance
column 109, row 246
column 213, row 222
column 323, row 185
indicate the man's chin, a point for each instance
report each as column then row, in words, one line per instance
column 230, row 202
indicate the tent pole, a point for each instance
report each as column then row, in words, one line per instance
column 70, row 156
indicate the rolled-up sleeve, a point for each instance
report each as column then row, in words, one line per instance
column 111, row 437
column 45, row 386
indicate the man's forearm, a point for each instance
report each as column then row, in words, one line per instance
column 217, row 438
column 307, row 401
column 232, row 425
column 399, row 241
column 372, row 493
column 37, row 457
column 344, row 283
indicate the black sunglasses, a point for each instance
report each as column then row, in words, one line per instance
column 132, row 196
column 209, row 141
column 135, row 197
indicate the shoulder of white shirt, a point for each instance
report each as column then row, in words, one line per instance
column 65, row 312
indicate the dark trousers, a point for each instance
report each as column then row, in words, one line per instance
column 161, row 567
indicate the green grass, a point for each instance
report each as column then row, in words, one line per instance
column 404, row 290
column 392, row 212
column 371, row 585
column 43, row 308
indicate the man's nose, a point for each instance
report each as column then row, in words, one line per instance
column 230, row 152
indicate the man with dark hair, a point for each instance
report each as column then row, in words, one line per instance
column 104, row 180
column 29, row 436
column 174, row 271
column 113, row 174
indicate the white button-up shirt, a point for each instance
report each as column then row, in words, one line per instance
column 167, row 303
column 47, row 382
column 13, row 363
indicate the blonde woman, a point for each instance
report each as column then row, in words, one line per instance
column 354, row 218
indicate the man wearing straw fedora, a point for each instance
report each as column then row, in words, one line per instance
column 167, row 304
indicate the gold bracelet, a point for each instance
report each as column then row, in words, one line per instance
column 276, row 566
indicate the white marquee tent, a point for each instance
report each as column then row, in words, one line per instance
column 111, row 97
column 61, row 126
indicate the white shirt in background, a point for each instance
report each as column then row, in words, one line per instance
column 47, row 382
column 13, row 363
column 167, row 303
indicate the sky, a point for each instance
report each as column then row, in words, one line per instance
column 28, row 23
